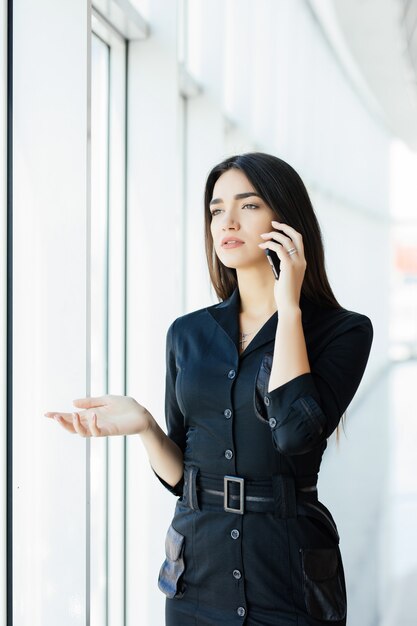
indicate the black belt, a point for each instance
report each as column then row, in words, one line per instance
column 234, row 494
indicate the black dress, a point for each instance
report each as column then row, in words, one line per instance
column 279, row 566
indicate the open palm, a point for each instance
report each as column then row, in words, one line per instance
column 104, row 416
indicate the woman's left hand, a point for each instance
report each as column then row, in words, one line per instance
column 287, row 288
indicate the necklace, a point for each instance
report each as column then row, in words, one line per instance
column 243, row 337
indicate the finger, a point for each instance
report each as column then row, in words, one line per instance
column 274, row 235
column 285, row 227
column 90, row 403
column 67, row 417
column 53, row 413
column 278, row 248
column 294, row 234
column 93, row 426
column 295, row 242
column 281, row 252
column 78, row 427
column 64, row 424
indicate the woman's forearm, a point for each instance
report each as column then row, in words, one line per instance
column 165, row 456
column 290, row 352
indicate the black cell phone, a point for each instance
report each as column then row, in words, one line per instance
column 275, row 262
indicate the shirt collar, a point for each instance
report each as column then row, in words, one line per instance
column 226, row 314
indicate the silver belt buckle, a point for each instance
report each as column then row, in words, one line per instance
column 241, row 482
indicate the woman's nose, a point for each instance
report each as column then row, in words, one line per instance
column 228, row 221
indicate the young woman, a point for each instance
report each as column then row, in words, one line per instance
column 254, row 387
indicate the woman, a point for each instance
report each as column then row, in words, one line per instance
column 254, row 387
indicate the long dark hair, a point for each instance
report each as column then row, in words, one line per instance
column 284, row 192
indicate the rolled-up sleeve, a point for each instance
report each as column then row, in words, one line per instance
column 306, row 410
column 174, row 417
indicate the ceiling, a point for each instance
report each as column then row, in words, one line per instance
column 376, row 43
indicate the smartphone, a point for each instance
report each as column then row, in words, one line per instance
column 274, row 260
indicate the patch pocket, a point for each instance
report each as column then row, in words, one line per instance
column 317, row 510
column 261, row 387
column 324, row 592
column 170, row 575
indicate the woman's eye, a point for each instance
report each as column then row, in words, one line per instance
column 254, row 206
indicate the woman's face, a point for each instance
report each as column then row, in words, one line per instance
column 241, row 218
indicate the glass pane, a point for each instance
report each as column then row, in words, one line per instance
column 100, row 61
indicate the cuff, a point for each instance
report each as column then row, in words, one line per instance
column 294, row 415
column 177, row 489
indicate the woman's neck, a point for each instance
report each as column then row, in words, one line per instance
column 257, row 297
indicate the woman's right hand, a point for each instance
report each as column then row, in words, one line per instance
column 103, row 416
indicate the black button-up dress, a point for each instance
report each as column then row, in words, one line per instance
column 256, row 568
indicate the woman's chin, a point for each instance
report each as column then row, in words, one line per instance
column 235, row 261
column 230, row 266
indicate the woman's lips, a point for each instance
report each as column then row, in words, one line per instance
column 232, row 244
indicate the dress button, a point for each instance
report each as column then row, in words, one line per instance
column 272, row 422
column 231, row 374
column 241, row 611
column 235, row 533
column 228, row 454
column 227, row 413
column 237, row 574
column 266, row 400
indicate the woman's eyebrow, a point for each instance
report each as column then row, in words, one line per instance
column 238, row 196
